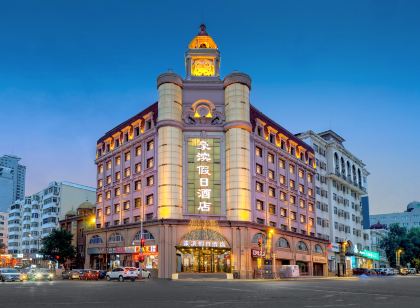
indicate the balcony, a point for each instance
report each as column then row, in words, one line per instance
column 343, row 179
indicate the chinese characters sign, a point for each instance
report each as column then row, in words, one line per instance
column 204, row 176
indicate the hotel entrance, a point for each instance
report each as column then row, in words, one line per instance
column 203, row 251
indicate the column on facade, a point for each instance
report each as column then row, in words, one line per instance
column 170, row 138
column 238, row 128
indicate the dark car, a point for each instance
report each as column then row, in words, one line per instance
column 102, row 274
column 363, row 271
column 9, row 274
column 65, row 274
column 40, row 274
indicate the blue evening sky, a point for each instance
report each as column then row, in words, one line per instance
column 72, row 70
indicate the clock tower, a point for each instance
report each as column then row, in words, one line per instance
column 202, row 60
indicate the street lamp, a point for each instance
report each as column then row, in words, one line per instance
column 398, row 253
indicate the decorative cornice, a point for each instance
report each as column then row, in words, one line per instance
column 169, row 77
column 173, row 123
column 239, row 124
column 237, row 77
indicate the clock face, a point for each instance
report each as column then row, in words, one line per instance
column 202, row 67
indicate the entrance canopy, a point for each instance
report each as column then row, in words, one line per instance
column 204, row 238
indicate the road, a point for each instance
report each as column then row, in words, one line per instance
column 367, row 292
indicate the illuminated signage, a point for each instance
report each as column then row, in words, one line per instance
column 370, row 254
column 204, row 193
column 257, row 253
column 201, row 243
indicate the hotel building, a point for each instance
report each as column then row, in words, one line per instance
column 219, row 186
column 340, row 183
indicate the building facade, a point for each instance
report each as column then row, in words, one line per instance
column 218, row 185
column 341, row 182
column 6, row 188
column 36, row 216
column 19, row 173
column 408, row 219
column 77, row 222
column 4, row 217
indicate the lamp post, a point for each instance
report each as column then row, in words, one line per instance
column 398, row 253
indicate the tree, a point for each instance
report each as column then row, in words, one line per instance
column 57, row 245
column 409, row 241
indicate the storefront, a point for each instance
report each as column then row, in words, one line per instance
column 203, row 251
column 364, row 259
column 101, row 258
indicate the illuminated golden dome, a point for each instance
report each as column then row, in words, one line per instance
column 202, row 40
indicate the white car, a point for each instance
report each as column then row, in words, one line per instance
column 141, row 272
column 122, row 273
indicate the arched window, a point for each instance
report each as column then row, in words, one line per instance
column 302, row 246
column 353, row 169
column 257, row 237
column 146, row 235
column 115, row 238
column 343, row 166
column 348, row 169
column 318, row 249
column 337, row 166
column 96, row 239
column 283, row 243
column 359, row 177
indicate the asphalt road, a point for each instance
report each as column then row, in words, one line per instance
column 367, row 292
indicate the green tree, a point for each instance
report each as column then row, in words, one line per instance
column 409, row 241
column 57, row 245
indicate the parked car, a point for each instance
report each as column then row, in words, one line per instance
column 364, row 271
column 143, row 273
column 75, row 274
column 379, row 271
column 10, row 274
column 389, row 271
column 122, row 273
column 404, row 271
column 412, row 271
column 40, row 274
column 65, row 274
column 89, row 275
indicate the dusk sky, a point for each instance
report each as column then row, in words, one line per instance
column 72, row 70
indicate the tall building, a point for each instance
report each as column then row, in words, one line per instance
column 4, row 216
column 18, row 171
column 37, row 215
column 408, row 219
column 378, row 232
column 219, row 185
column 341, row 181
column 6, row 188
column 365, row 212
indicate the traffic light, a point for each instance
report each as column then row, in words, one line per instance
column 142, row 242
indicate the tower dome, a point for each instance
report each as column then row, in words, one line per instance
column 202, row 40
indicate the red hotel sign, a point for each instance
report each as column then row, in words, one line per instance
column 257, row 253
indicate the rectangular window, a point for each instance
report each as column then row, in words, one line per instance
column 127, row 172
column 301, row 173
column 137, row 203
column 272, row 209
column 108, row 179
column 116, row 208
column 270, row 158
column 301, row 189
column 311, row 221
column 302, row 203
column 138, row 150
column 258, row 169
column 138, row 167
column 260, row 221
column 283, row 212
column 303, row 219
column 126, row 221
column 99, row 212
column 273, row 224
column 310, row 192
column 282, row 196
column 292, row 184
column 118, row 160
column 127, row 156
column 137, row 185
column 149, row 216
column 99, row 198
column 260, row 205
column 310, row 207
column 271, row 191
column 150, row 163
column 292, row 200
column 108, row 195
column 149, row 199
column 100, row 168
column 271, row 174
column 150, row 145
column 258, row 152
column 282, row 163
column 108, row 165
column 259, row 187
column 116, row 222
column 100, row 183
column 126, row 188
column 150, row 180
column 136, row 218
column 292, row 169
column 108, row 210
column 118, row 176
column 117, row 191
column 310, row 178
column 107, row 224
column 293, row 215
column 282, row 180
column 126, row 205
